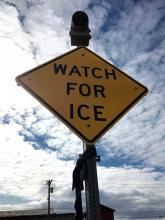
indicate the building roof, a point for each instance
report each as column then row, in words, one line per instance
column 108, row 208
column 41, row 214
column 25, row 212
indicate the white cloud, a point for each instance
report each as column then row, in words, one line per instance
column 130, row 188
column 25, row 170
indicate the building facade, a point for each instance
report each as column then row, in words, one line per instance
column 106, row 213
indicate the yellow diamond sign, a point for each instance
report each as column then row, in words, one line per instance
column 84, row 91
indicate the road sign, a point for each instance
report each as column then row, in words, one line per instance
column 84, row 91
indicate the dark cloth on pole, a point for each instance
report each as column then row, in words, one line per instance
column 78, row 180
column 78, row 206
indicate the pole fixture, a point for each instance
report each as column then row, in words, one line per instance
column 80, row 32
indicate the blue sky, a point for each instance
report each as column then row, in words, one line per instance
column 35, row 146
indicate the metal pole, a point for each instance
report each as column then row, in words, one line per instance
column 80, row 36
column 91, row 188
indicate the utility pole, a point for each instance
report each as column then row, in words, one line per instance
column 49, row 191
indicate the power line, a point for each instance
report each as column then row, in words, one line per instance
column 143, row 184
column 128, row 216
column 132, row 185
column 137, row 187
column 142, row 210
column 122, row 211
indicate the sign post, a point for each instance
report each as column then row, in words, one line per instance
column 80, row 37
column 91, row 188
column 87, row 93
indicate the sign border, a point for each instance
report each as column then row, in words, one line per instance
column 61, row 118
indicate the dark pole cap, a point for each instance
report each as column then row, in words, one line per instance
column 80, row 18
column 80, row 32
